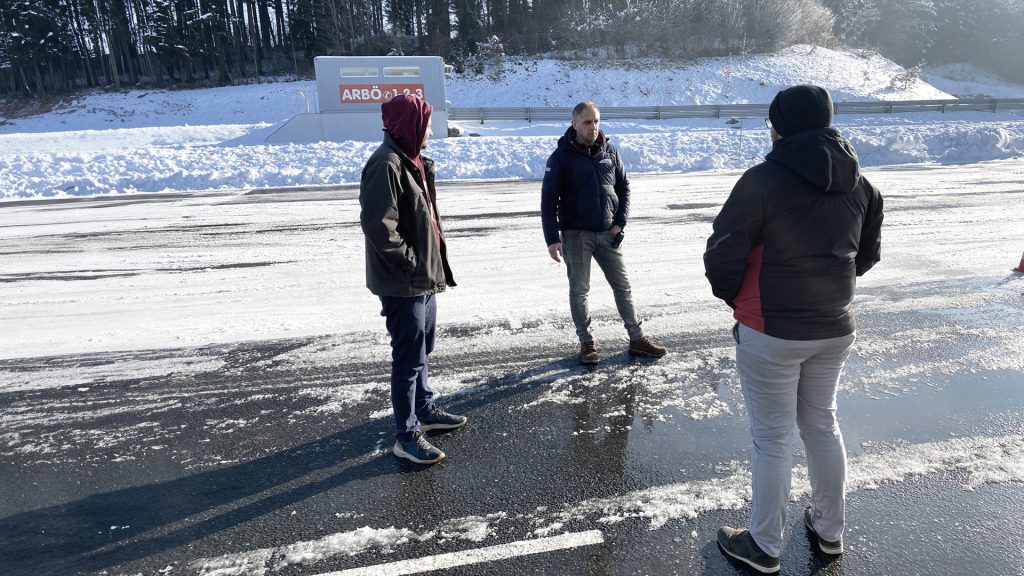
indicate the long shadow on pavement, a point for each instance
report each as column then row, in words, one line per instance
column 63, row 539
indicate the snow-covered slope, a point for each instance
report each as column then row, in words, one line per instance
column 849, row 75
column 156, row 140
column 967, row 81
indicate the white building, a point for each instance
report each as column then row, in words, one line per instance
column 350, row 90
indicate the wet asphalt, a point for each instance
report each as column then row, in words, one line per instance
column 290, row 479
column 147, row 475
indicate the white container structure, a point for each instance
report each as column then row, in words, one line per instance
column 351, row 90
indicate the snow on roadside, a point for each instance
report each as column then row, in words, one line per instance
column 647, row 147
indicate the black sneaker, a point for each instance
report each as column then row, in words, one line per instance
column 418, row 450
column 740, row 545
column 441, row 420
column 834, row 548
column 588, row 353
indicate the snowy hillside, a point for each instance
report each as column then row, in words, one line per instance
column 743, row 79
column 966, row 81
column 151, row 141
column 740, row 80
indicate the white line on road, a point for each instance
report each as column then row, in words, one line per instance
column 488, row 554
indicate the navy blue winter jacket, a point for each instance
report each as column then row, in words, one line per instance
column 583, row 189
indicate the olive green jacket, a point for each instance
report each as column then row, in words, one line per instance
column 403, row 255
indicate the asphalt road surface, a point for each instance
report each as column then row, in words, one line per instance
column 269, row 455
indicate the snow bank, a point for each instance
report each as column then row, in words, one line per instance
column 682, row 146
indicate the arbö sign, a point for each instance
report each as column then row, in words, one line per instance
column 375, row 93
column 357, row 84
column 350, row 90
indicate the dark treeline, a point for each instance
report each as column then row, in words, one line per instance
column 58, row 46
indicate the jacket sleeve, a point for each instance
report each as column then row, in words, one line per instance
column 549, row 196
column 378, row 199
column 870, row 249
column 622, row 191
column 736, row 231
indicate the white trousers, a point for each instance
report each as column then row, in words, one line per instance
column 787, row 382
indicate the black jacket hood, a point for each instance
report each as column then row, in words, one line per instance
column 822, row 157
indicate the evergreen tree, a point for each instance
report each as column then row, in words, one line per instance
column 36, row 36
column 469, row 27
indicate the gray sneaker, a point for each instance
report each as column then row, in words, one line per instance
column 833, row 547
column 441, row 420
column 417, row 450
column 740, row 545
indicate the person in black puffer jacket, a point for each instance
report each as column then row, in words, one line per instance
column 787, row 247
column 584, row 207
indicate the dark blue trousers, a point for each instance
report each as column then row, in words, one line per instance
column 410, row 323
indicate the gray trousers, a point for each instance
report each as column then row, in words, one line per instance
column 786, row 382
column 578, row 247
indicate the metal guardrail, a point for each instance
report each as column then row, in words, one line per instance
column 737, row 110
column 309, row 100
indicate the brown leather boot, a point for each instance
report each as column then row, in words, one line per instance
column 646, row 347
column 588, row 353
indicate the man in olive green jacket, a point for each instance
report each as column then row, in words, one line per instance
column 406, row 265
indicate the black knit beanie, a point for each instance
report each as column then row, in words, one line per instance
column 800, row 108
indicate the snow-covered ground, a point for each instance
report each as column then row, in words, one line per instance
column 154, row 141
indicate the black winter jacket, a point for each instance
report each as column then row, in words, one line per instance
column 793, row 236
column 583, row 191
column 403, row 256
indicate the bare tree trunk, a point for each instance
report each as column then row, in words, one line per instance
column 64, row 81
column 291, row 40
column 139, row 25
column 279, row 20
column 40, row 87
column 254, row 35
column 83, row 48
column 350, row 20
column 264, row 24
column 223, row 74
column 239, row 20
column 97, row 58
column 417, row 14
column 120, row 34
column 113, row 61
column 24, row 80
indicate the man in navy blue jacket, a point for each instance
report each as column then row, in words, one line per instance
column 584, row 208
column 787, row 248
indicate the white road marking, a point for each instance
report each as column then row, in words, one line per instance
column 478, row 555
